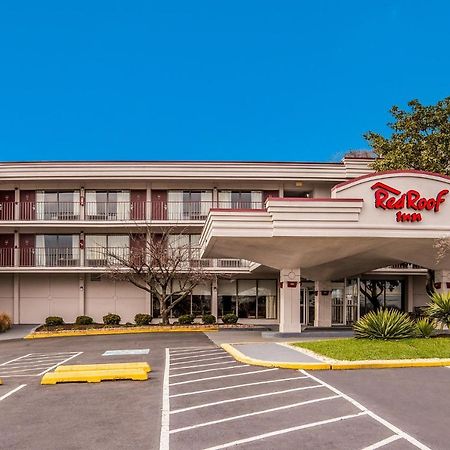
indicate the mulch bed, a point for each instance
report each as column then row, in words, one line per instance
column 96, row 326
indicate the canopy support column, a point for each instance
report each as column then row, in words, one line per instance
column 442, row 280
column 290, row 301
column 322, row 317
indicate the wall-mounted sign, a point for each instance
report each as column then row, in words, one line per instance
column 391, row 199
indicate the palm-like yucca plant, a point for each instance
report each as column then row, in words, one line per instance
column 385, row 324
column 439, row 308
column 425, row 327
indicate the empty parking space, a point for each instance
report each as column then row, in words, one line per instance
column 210, row 402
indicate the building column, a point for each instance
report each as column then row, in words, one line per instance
column 148, row 204
column 214, row 297
column 322, row 317
column 16, row 299
column 81, row 296
column 410, row 294
column 290, row 301
column 442, row 280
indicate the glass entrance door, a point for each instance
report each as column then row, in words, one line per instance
column 307, row 306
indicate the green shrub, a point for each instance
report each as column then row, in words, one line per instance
column 111, row 319
column 385, row 324
column 54, row 321
column 143, row 319
column 84, row 320
column 5, row 322
column 439, row 308
column 229, row 319
column 208, row 319
column 425, row 328
column 187, row 319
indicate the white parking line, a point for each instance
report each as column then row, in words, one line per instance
column 255, row 413
column 58, row 364
column 222, row 376
column 204, row 365
column 207, row 359
column 224, row 388
column 194, row 351
column 284, row 431
column 15, row 359
column 35, row 362
column 12, row 392
column 195, row 356
column 384, row 422
column 165, row 414
column 384, row 442
column 237, row 366
column 238, row 399
column 187, row 349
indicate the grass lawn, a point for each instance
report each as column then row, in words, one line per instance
column 358, row 349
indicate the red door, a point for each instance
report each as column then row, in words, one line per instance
column 138, row 248
column 6, row 250
column 159, row 205
column 6, row 205
column 26, row 245
column 27, row 205
column 267, row 194
column 138, row 200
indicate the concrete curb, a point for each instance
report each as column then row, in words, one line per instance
column 337, row 365
column 390, row 364
column 112, row 331
column 239, row 356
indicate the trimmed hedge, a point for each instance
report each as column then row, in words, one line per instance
column 208, row 319
column 111, row 319
column 187, row 319
column 143, row 319
column 84, row 320
column 229, row 319
column 54, row 321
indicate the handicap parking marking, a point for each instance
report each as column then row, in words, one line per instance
column 138, row 351
column 35, row 364
column 278, row 405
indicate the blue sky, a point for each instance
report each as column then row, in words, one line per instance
column 215, row 80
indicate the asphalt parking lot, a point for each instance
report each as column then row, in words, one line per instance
column 198, row 397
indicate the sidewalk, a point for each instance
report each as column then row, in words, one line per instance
column 17, row 332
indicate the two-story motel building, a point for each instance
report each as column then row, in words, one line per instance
column 296, row 241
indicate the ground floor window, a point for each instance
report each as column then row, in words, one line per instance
column 375, row 294
column 249, row 299
column 197, row 303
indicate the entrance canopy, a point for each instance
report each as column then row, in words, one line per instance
column 369, row 222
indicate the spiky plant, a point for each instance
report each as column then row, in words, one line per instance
column 425, row 327
column 5, row 322
column 385, row 324
column 439, row 308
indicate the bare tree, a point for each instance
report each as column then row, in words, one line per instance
column 163, row 264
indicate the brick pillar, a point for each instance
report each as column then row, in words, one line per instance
column 322, row 316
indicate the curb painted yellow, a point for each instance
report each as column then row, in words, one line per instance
column 239, row 356
column 338, row 365
column 109, row 366
column 389, row 364
column 112, row 331
column 94, row 376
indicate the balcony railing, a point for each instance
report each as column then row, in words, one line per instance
column 49, row 211
column 116, row 211
column 95, row 257
column 49, row 257
column 7, row 210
